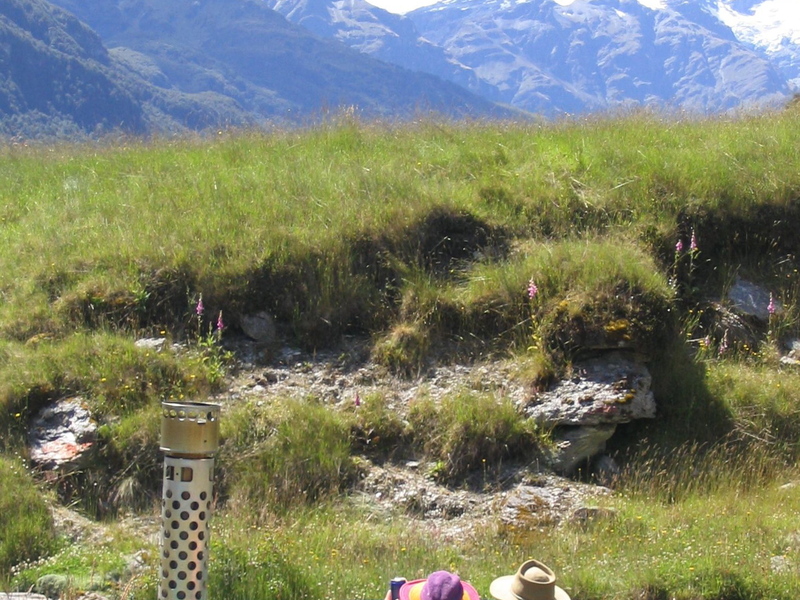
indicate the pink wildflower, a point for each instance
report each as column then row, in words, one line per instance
column 358, row 400
column 199, row 309
column 723, row 345
column 532, row 289
column 679, row 246
column 220, row 322
column 693, row 243
column 771, row 305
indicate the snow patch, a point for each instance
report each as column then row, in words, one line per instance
column 654, row 4
column 772, row 24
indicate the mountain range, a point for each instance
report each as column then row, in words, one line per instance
column 555, row 57
column 85, row 66
column 149, row 66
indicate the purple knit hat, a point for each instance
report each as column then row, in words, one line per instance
column 440, row 585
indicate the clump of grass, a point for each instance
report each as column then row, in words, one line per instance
column 115, row 377
column 469, row 432
column 403, row 349
column 695, row 470
column 718, row 547
column 377, row 427
column 763, row 402
column 26, row 526
column 284, row 469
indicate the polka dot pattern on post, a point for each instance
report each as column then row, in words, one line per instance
column 185, row 513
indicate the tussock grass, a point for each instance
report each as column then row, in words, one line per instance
column 470, row 431
column 303, row 457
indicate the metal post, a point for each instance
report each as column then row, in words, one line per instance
column 189, row 439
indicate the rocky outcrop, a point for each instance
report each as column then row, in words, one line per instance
column 259, row 327
column 610, row 389
column 546, row 502
column 61, row 435
column 584, row 409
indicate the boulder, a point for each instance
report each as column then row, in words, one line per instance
column 610, row 389
column 62, row 434
column 605, row 470
column 750, row 299
column 154, row 344
column 792, row 356
column 259, row 327
column 546, row 503
column 52, row 586
column 574, row 445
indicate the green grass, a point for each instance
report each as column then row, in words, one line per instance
column 468, row 432
column 26, row 527
column 302, row 456
column 421, row 238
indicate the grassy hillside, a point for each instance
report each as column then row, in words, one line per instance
column 423, row 238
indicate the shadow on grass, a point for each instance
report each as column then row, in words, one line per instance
column 687, row 412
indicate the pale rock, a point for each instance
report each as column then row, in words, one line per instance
column 547, row 502
column 610, row 389
column 259, row 327
column 780, row 564
column 792, row 357
column 62, row 434
column 748, row 298
column 575, row 445
column 154, row 344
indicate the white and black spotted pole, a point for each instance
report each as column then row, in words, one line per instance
column 189, row 439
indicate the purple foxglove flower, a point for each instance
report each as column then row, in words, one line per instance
column 693, row 243
column 679, row 247
column 358, row 400
column 532, row 289
column 199, row 309
column 771, row 305
column 220, row 322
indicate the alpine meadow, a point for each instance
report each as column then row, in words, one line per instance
column 484, row 244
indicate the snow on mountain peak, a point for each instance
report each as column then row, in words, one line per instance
column 653, row 4
column 770, row 24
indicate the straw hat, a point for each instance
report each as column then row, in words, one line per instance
column 440, row 585
column 532, row 581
